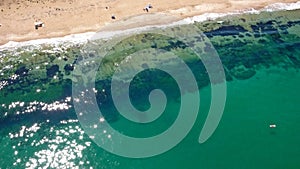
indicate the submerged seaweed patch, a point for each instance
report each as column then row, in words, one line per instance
column 243, row 48
column 226, row 31
column 51, row 71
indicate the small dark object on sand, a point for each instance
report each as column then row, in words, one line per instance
column 38, row 24
column 113, row 17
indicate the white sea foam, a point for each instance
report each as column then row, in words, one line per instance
column 282, row 6
column 269, row 8
column 82, row 38
column 66, row 40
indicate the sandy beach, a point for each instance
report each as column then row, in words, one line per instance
column 65, row 17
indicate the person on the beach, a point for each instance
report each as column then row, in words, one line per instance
column 147, row 8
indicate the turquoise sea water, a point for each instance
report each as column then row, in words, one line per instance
column 261, row 58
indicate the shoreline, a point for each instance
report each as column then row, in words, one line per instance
column 83, row 37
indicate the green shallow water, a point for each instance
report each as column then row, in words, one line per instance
column 262, row 71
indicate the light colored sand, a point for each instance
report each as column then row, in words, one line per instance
column 63, row 17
